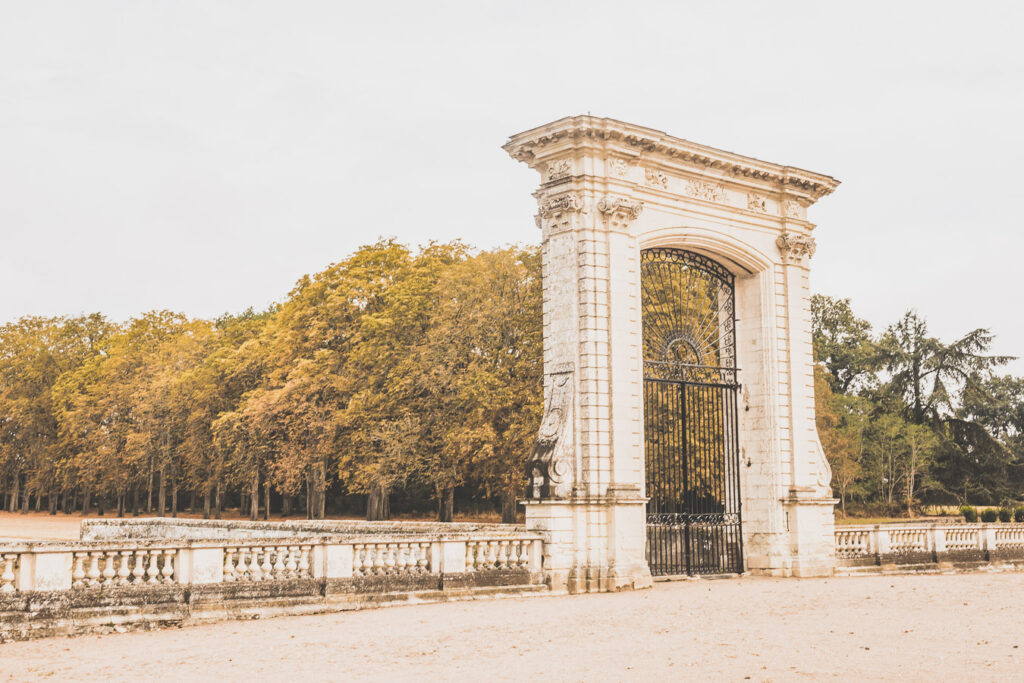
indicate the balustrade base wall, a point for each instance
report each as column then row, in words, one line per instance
column 102, row 610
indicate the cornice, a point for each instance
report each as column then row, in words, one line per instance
column 574, row 132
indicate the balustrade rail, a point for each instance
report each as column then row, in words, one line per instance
column 108, row 564
column 859, row 545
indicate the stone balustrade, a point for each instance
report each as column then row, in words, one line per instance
column 83, row 565
column 928, row 543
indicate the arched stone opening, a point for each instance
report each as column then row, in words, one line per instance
column 610, row 190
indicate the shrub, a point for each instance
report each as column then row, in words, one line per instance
column 989, row 515
column 970, row 513
column 1005, row 514
column 1018, row 514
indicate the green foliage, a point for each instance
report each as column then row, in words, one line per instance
column 989, row 515
column 906, row 418
column 969, row 512
column 1005, row 514
column 1018, row 513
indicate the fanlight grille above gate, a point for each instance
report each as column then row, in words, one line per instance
column 688, row 304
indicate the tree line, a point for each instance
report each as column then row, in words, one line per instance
column 394, row 377
column 907, row 419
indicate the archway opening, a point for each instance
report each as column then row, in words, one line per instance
column 690, row 414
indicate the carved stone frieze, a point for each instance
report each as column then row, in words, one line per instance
column 705, row 191
column 655, row 178
column 795, row 248
column 562, row 168
column 756, row 202
column 791, row 208
column 618, row 167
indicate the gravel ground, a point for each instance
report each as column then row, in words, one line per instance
column 911, row 628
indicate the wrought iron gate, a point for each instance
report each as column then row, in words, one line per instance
column 690, row 414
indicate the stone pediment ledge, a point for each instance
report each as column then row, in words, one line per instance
column 534, row 147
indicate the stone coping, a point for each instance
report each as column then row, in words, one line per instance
column 928, row 525
column 172, row 529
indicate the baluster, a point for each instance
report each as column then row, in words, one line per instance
column 267, row 567
column 423, row 561
column 292, row 563
column 503, row 554
column 486, row 551
column 108, row 569
column 94, row 569
column 389, row 559
column 379, row 555
column 255, row 570
column 470, row 556
column 303, row 566
column 280, row 569
column 139, row 572
column 229, row 568
column 513, row 554
column 524, row 554
column 124, row 571
column 154, row 567
column 7, row 577
column 243, row 567
column 400, row 558
column 168, row 570
column 357, row 559
column 78, row 573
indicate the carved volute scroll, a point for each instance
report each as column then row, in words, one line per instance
column 795, row 249
column 552, row 458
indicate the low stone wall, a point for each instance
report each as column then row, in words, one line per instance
column 141, row 574
column 924, row 546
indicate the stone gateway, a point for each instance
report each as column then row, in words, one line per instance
column 679, row 434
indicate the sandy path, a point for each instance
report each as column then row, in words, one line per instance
column 915, row 628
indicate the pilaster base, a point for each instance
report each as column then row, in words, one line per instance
column 592, row 545
column 806, row 547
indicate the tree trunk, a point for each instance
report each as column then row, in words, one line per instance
column 254, row 499
column 309, row 497
column 85, row 501
column 217, row 502
column 509, row 508
column 25, row 495
column 286, row 505
column 120, row 505
column 174, row 498
column 99, row 505
column 321, row 491
column 378, row 506
column 15, row 486
column 207, row 496
column 51, row 501
column 39, row 501
column 161, row 499
column 266, row 500
column 149, row 492
column 192, row 502
column 135, row 501
column 446, row 504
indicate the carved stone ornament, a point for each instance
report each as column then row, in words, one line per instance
column 655, row 178
column 792, row 209
column 559, row 169
column 560, row 203
column 552, row 458
column 756, row 202
column 609, row 205
column 705, row 191
column 618, row 167
column 795, row 248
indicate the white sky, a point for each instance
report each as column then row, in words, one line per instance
column 202, row 156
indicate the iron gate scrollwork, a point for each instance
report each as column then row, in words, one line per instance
column 690, row 414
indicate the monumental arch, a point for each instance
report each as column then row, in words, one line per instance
column 678, row 434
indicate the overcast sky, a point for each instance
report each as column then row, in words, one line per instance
column 202, row 156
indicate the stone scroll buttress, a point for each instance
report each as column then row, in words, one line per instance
column 551, row 465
